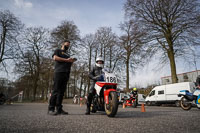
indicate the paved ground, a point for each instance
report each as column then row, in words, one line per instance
column 33, row 118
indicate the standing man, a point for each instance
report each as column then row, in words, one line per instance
column 63, row 64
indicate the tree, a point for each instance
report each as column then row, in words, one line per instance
column 170, row 24
column 10, row 27
column 67, row 30
column 34, row 49
column 132, row 44
column 107, row 46
column 88, row 43
column 104, row 37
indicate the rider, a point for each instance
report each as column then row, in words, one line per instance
column 94, row 75
column 134, row 92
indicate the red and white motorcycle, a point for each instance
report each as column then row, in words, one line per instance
column 105, row 98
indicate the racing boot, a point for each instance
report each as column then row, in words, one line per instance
column 87, row 110
column 50, row 112
column 60, row 111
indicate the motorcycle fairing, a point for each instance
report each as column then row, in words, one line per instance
column 185, row 92
column 198, row 100
column 100, row 85
column 106, row 95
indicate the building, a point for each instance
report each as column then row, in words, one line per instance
column 183, row 77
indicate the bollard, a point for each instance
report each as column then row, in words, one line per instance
column 142, row 108
column 81, row 101
column 124, row 106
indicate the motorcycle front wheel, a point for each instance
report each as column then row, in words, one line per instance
column 112, row 107
column 184, row 104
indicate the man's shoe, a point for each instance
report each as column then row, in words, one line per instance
column 87, row 112
column 50, row 112
column 62, row 112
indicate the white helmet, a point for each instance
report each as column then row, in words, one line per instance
column 99, row 59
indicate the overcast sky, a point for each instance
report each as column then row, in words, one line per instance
column 88, row 15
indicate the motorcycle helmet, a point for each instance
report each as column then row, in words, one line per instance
column 99, row 59
column 134, row 89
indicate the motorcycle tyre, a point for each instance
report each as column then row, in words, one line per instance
column 134, row 105
column 183, row 107
column 113, row 100
column 148, row 103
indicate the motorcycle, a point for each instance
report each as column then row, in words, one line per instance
column 189, row 99
column 131, row 101
column 105, row 98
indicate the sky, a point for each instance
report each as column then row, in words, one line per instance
column 88, row 15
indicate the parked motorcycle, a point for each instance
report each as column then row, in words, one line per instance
column 105, row 98
column 189, row 99
column 131, row 101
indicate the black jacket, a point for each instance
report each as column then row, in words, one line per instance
column 95, row 73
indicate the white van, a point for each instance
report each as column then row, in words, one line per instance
column 166, row 94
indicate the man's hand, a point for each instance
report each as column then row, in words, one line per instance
column 70, row 60
column 97, row 77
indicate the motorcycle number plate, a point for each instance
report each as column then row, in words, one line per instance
column 110, row 78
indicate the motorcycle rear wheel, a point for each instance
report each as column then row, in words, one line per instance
column 185, row 106
column 112, row 107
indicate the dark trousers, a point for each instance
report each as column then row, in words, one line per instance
column 59, row 87
column 90, row 95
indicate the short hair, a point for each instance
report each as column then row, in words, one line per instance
column 66, row 41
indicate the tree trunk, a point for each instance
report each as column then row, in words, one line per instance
column 74, row 86
column 172, row 66
column 127, row 74
column 81, row 84
column 90, row 59
column 110, row 58
column 84, row 91
column 35, row 88
column 2, row 44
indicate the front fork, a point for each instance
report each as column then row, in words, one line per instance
column 106, row 95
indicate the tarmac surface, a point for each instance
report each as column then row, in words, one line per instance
column 33, row 118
